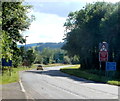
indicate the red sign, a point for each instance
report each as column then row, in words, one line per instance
column 103, row 56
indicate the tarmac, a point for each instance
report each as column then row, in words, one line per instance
column 12, row 92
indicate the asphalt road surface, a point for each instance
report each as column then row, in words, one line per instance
column 53, row 84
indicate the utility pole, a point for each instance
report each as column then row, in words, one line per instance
column 25, row 42
column 25, row 59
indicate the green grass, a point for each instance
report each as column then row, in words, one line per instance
column 6, row 78
column 114, row 82
column 76, row 71
column 51, row 65
column 73, row 67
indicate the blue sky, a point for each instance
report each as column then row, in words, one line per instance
column 50, row 17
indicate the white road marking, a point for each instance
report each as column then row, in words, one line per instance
column 21, row 85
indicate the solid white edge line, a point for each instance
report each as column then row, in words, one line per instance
column 21, row 85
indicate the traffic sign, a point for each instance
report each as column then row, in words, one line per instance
column 103, row 56
column 110, row 66
column 103, row 46
column 103, row 51
column 6, row 63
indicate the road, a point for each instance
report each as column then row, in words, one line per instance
column 53, row 84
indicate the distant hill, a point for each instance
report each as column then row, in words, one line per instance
column 41, row 46
column 28, row 45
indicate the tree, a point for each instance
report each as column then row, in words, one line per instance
column 49, row 55
column 110, row 29
column 86, row 28
column 30, row 57
column 14, row 20
column 39, row 58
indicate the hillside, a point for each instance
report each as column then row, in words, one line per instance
column 41, row 46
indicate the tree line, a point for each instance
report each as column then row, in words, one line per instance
column 29, row 56
column 14, row 20
column 85, row 29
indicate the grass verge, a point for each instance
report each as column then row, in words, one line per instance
column 76, row 71
column 51, row 65
column 6, row 78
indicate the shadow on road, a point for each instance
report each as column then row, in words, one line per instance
column 57, row 73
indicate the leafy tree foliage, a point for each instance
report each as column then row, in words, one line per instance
column 26, row 57
column 14, row 20
column 93, row 24
column 48, row 55
column 30, row 56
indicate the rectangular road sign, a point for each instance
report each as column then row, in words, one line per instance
column 110, row 66
column 6, row 63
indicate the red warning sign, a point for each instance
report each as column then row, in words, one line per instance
column 103, row 56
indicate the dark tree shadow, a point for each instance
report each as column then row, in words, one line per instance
column 58, row 73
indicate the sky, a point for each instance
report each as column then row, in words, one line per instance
column 50, row 16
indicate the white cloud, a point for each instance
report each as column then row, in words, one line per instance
column 49, row 27
column 46, row 28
